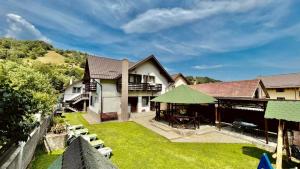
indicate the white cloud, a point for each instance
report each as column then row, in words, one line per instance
column 157, row 19
column 203, row 67
column 20, row 28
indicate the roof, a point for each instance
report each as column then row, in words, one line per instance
column 175, row 76
column 106, row 68
column 185, row 95
column 283, row 110
column 80, row 154
column 281, row 81
column 243, row 88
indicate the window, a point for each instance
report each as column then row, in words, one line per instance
column 91, row 101
column 279, row 90
column 148, row 79
column 280, row 98
column 76, row 89
column 134, row 78
column 145, row 101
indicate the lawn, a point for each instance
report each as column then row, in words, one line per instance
column 43, row 160
column 137, row 147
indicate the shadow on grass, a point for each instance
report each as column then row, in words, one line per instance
column 42, row 159
column 257, row 153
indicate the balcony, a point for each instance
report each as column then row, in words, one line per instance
column 141, row 87
column 90, row 87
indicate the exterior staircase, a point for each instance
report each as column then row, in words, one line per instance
column 84, row 96
column 67, row 106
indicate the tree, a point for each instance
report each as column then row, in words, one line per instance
column 16, row 110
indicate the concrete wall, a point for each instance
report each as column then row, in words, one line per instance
column 288, row 94
column 69, row 95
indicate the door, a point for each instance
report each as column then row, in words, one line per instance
column 132, row 103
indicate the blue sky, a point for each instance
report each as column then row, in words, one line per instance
column 226, row 40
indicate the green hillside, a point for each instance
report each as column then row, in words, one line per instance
column 199, row 79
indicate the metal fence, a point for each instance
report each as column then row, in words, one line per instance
column 19, row 157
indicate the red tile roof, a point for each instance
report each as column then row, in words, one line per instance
column 281, row 81
column 244, row 88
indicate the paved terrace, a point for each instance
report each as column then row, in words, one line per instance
column 206, row 133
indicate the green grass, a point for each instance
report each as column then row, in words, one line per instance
column 43, row 160
column 137, row 147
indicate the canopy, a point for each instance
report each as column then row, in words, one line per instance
column 185, row 95
column 283, row 110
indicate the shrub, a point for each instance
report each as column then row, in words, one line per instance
column 58, row 128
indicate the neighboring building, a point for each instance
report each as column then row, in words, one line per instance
column 74, row 97
column 235, row 89
column 179, row 79
column 146, row 79
column 80, row 154
column 283, row 87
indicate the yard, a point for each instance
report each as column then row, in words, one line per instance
column 137, row 147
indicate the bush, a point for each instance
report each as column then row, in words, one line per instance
column 58, row 128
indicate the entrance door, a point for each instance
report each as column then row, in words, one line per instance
column 132, row 103
column 152, row 104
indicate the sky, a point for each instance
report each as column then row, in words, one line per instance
column 224, row 39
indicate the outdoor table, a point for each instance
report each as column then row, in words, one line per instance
column 181, row 118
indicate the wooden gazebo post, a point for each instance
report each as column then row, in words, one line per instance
column 279, row 145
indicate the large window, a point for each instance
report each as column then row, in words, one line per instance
column 148, row 79
column 76, row 89
column 280, row 90
column 135, row 78
column 145, row 101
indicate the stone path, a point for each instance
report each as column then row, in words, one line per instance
column 207, row 134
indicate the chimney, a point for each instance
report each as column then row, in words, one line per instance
column 124, row 92
column 71, row 80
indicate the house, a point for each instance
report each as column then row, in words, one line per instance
column 283, row 87
column 75, row 97
column 179, row 79
column 146, row 79
column 234, row 89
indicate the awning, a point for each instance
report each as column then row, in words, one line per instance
column 283, row 110
column 184, row 95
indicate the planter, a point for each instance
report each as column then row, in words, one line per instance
column 55, row 141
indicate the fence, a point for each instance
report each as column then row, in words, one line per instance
column 19, row 157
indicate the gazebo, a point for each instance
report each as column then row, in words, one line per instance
column 283, row 111
column 178, row 98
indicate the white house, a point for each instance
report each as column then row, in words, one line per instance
column 146, row 80
column 75, row 97
column 179, row 79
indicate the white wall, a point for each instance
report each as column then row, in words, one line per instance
column 149, row 68
column 179, row 81
column 111, row 98
column 69, row 95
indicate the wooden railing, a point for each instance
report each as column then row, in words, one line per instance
column 84, row 96
column 141, row 87
column 90, row 87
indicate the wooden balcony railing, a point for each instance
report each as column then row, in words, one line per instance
column 90, row 87
column 141, row 87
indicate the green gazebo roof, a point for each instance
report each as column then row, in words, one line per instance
column 283, row 110
column 185, row 95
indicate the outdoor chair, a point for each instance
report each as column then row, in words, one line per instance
column 106, row 152
column 97, row 143
column 90, row 137
column 74, row 127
